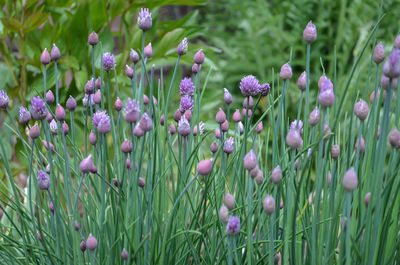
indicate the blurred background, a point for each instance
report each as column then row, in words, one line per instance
column 238, row 37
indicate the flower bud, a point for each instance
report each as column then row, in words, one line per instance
column 34, row 132
column 162, row 120
column 134, row 56
column 220, row 117
column 91, row 242
column 293, row 138
column 86, row 165
column 172, row 129
column 228, row 146
column 199, row 57
column 223, row 214
column 254, row 172
column 225, row 126
column 286, row 72
column 97, row 97
column 45, row 57
column 241, row 127
column 148, row 51
column 250, row 160
column 49, row 117
column 362, row 145
column 144, row 20
column 195, row 68
column 227, row 97
column 310, row 33
column 367, row 198
column 128, row 164
column 379, row 53
column 43, row 180
column 124, row 254
column 24, row 114
column 118, row 104
column 248, row 111
column 188, row 114
column 217, row 133
column 49, row 97
column 92, row 138
column 269, row 204
column 126, row 147
column 276, row 175
column 259, row 177
column 141, row 183
column 71, row 104
column 51, row 207
column 182, row 47
column 259, row 127
column 145, row 99
column 394, row 138
column 65, row 128
column 129, row 71
column 82, row 246
column 214, row 147
column 77, row 226
column 177, row 115
column 350, row 180
column 302, row 81
column 93, row 38
column 329, row 179
column 138, row 131
column 335, row 151
column 229, row 201
column 361, row 110
column 204, row 167
column 321, row 80
column 236, row 117
column 55, row 53
column 98, row 83
column 251, row 102
column 397, row 42
column 60, row 113
column 89, row 86
column 385, row 83
column 184, row 127
column 53, row 127
column 233, row 226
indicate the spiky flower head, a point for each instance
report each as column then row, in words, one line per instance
column 101, row 121
column 391, row 68
column 131, row 111
column 228, row 146
column 310, row 33
column 108, row 61
column 297, row 124
column 144, row 20
column 227, row 97
column 24, row 115
column 134, row 56
column 43, row 180
column 146, row 123
column 186, row 87
column 183, row 126
column 38, row 108
column 182, row 47
column 55, row 53
column 233, row 226
column 249, row 86
column 4, row 100
column 186, row 103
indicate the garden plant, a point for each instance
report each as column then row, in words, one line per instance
column 152, row 183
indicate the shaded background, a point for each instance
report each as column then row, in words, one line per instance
column 238, row 37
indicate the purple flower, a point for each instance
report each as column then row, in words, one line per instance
column 38, row 108
column 144, row 20
column 186, row 103
column 134, row 56
column 182, row 47
column 24, row 115
column 228, row 146
column 391, row 67
column 183, row 126
column 55, row 52
column 310, row 33
column 108, row 61
column 86, row 102
column 249, row 86
column 264, row 89
column 3, row 99
column 326, row 96
column 146, row 123
column 45, row 57
column 227, row 97
column 53, row 127
column 43, row 180
column 71, row 104
column 233, row 226
column 131, row 111
column 101, row 121
column 93, row 38
column 186, row 87
column 297, row 125
column 148, row 51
